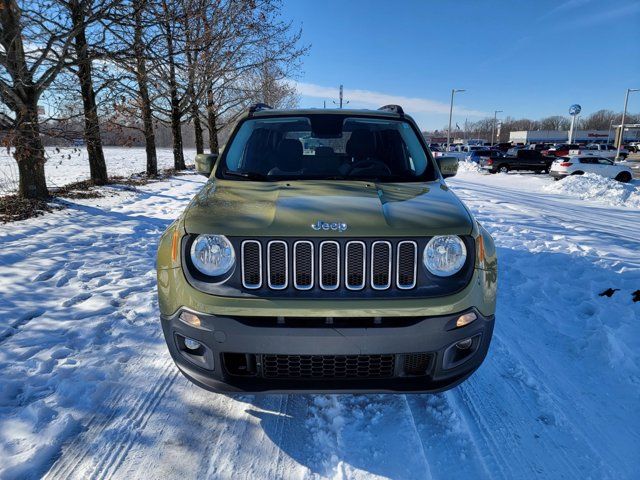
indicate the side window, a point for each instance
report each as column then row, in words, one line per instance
column 604, row 161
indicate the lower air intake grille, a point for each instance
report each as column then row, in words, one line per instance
column 417, row 363
column 328, row 366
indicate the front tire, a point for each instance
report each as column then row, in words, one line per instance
column 623, row 177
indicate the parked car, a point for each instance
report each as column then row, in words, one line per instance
column 538, row 146
column 513, row 150
column 580, row 164
column 531, row 160
column 503, row 147
column 561, row 149
column 604, row 150
column 633, row 147
column 352, row 269
column 476, row 156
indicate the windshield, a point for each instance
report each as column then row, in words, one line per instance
column 326, row 146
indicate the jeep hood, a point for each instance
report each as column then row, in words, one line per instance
column 274, row 209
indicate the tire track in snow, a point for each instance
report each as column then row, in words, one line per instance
column 583, row 435
column 98, row 451
column 356, row 435
column 447, row 441
column 514, row 418
column 254, row 453
column 421, row 444
column 138, row 420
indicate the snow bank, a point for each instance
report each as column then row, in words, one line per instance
column 464, row 166
column 595, row 187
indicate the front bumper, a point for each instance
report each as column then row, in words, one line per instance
column 221, row 336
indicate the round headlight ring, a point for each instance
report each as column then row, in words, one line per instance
column 444, row 255
column 213, row 255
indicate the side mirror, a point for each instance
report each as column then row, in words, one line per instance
column 205, row 163
column 448, row 166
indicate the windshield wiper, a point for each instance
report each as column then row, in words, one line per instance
column 246, row 175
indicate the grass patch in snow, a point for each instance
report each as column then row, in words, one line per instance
column 14, row 208
column 595, row 187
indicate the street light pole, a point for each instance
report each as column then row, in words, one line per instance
column 624, row 114
column 493, row 127
column 453, row 92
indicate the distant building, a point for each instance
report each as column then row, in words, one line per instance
column 559, row 136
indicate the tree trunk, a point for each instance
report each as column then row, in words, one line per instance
column 212, row 122
column 176, row 116
column 143, row 92
column 30, row 152
column 97, row 165
column 197, row 128
column 193, row 101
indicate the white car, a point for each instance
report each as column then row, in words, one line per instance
column 604, row 150
column 579, row 164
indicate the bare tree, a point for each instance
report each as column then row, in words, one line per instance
column 249, row 54
column 555, row 122
column 134, row 30
column 170, row 14
column 142, row 80
column 79, row 11
column 34, row 51
column 601, row 120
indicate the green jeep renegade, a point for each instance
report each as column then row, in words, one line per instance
column 326, row 253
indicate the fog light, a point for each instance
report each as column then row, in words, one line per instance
column 191, row 344
column 466, row 319
column 190, row 318
column 464, row 344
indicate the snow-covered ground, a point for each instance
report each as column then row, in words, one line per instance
column 68, row 164
column 88, row 390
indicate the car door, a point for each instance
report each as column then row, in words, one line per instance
column 608, row 168
column 521, row 160
column 589, row 164
column 531, row 161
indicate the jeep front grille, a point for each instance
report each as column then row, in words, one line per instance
column 251, row 264
column 277, row 265
column 329, row 264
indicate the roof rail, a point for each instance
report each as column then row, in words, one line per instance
column 393, row 109
column 256, row 107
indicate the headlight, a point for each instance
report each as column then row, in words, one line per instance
column 444, row 255
column 213, row 255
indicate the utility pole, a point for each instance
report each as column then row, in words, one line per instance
column 624, row 114
column 453, row 92
column 341, row 99
column 493, row 126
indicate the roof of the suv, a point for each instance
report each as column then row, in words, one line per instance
column 268, row 112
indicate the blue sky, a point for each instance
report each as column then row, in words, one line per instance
column 529, row 58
